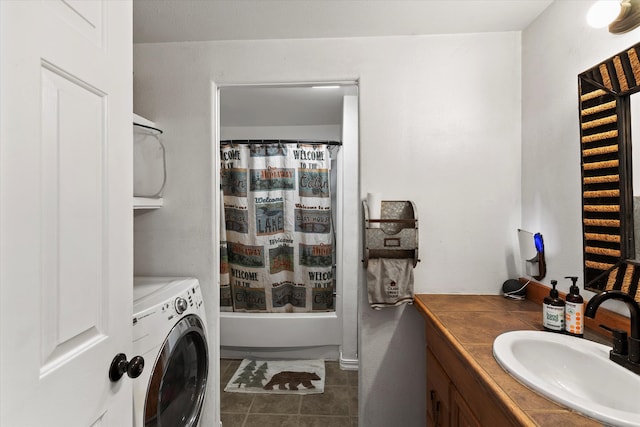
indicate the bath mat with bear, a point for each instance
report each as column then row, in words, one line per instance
column 278, row 377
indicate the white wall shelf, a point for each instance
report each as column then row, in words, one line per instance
column 140, row 203
column 141, row 121
column 147, row 203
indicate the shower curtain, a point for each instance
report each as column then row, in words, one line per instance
column 277, row 244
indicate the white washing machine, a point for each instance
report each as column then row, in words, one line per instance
column 169, row 332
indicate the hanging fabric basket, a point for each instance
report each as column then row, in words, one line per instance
column 149, row 167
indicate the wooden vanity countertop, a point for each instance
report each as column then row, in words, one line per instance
column 471, row 323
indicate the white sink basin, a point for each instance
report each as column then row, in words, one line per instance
column 574, row 372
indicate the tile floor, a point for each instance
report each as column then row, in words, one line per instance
column 336, row 407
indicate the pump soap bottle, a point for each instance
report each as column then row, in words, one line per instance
column 574, row 316
column 553, row 310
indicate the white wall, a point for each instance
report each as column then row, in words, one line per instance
column 439, row 125
column 557, row 47
column 322, row 132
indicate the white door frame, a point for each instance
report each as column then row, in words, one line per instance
column 348, row 223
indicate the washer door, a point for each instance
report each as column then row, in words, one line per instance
column 178, row 381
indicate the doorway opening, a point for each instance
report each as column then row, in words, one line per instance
column 304, row 112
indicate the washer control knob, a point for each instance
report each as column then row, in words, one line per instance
column 181, row 305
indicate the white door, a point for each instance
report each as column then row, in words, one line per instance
column 65, row 211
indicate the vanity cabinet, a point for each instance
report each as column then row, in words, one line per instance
column 445, row 405
column 465, row 385
column 455, row 396
column 461, row 414
column 438, row 386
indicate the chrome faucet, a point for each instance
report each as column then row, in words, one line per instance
column 630, row 358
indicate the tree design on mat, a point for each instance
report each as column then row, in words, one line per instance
column 258, row 376
column 246, row 374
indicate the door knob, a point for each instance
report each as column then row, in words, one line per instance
column 119, row 366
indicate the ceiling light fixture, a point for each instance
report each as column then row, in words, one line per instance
column 621, row 16
column 603, row 12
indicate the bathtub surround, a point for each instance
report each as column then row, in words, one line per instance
column 280, row 335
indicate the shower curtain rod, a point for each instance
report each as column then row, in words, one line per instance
column 279, row 141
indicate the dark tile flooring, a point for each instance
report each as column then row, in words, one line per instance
column 336, row 407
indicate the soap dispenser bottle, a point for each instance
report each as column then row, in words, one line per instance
column 574, row 312
column 553, row 310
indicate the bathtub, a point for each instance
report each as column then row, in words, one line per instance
column 282, row 335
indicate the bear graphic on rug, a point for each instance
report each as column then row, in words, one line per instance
column 293, row 379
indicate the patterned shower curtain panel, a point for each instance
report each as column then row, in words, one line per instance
column 226, row 303
column 278, row 253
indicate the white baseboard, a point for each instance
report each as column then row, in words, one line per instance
column 329, row 352
column 348, row 364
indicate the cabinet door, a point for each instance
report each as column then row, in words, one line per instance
column 437, row 393
column 461, row 415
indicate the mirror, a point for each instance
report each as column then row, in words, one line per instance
column 609, row 250
column 634, row 105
